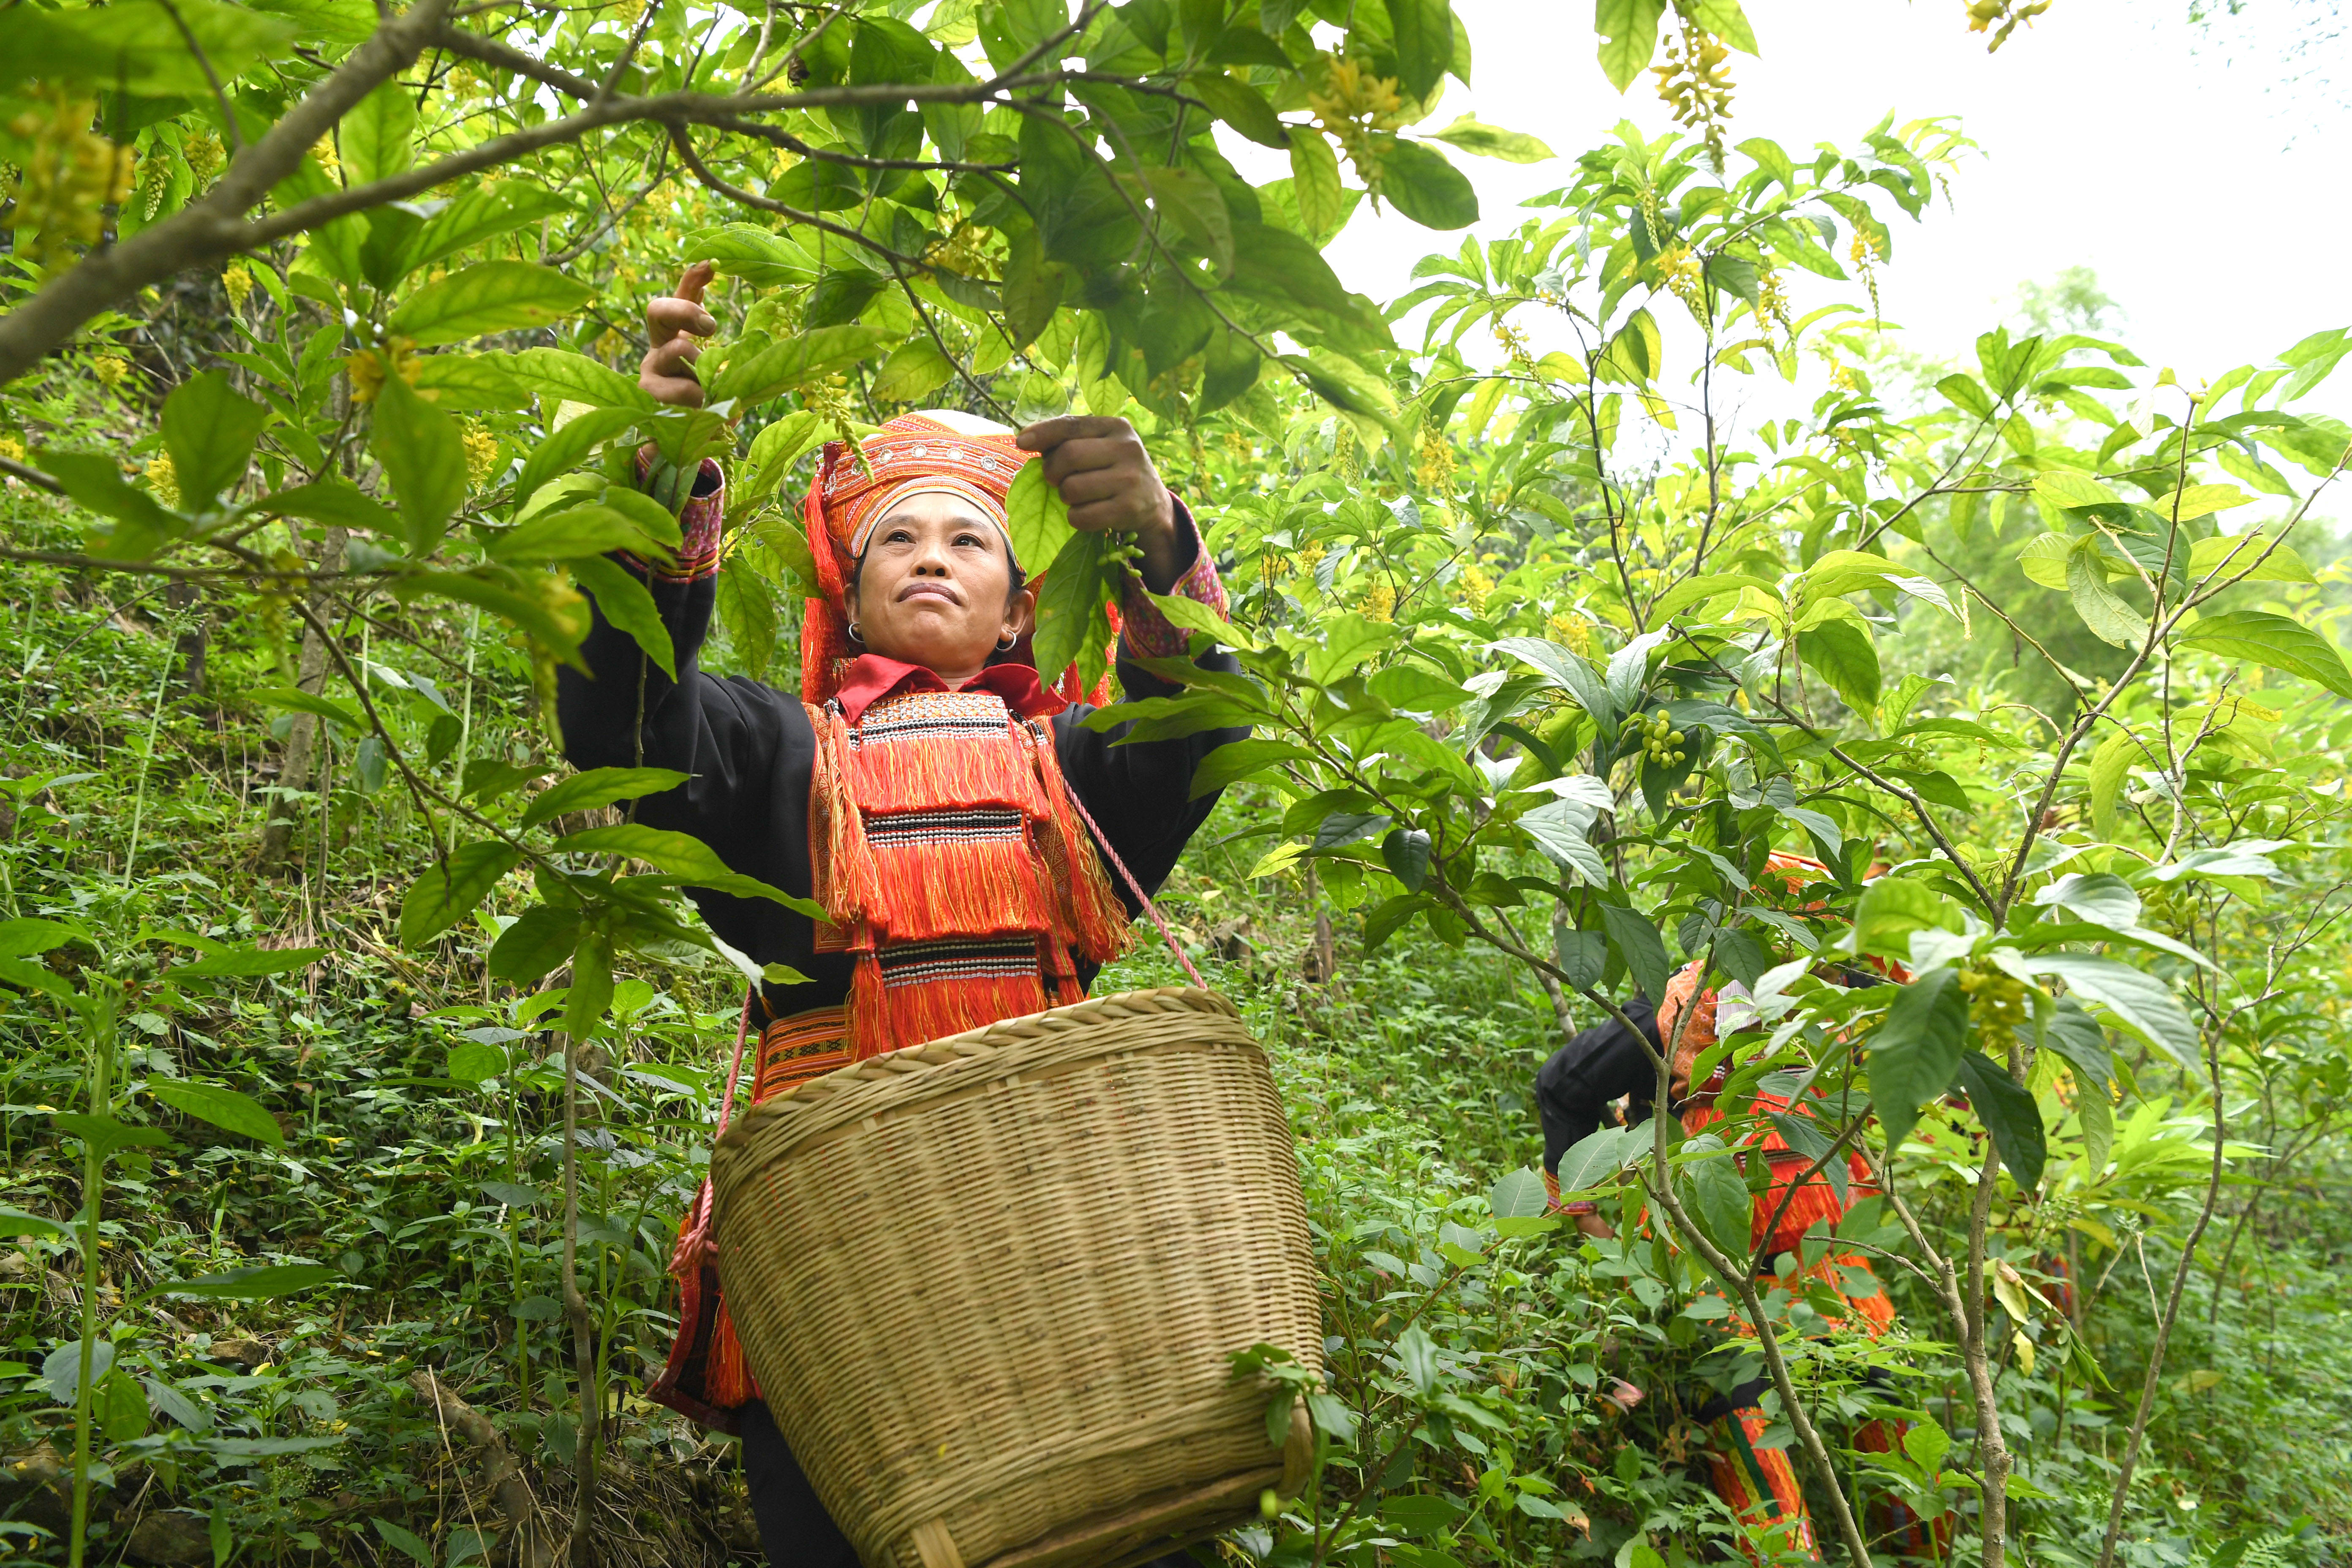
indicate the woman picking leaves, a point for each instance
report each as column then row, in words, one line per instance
column 924, row 787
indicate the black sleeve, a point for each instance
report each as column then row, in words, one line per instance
column 747, row 746
column 1574, row 1088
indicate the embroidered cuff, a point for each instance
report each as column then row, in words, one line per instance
column 699, row 524
column 1146, row 632
column 1580, row 1206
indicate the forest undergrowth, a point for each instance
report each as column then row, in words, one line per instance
column 418, row 1105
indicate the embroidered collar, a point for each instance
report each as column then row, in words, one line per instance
column 871, row 678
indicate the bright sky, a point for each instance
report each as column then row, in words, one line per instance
column 2194, row 179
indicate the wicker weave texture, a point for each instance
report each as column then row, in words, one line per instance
column 989, row 1285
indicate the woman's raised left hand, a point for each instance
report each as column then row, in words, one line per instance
column 1106, row 480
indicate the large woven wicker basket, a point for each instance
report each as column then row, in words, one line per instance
column 989, row 1285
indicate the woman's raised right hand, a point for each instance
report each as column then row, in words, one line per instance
column 667, row 374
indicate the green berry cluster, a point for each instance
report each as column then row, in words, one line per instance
column 1661, row 741
column 1998, row 1000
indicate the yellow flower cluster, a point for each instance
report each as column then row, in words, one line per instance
column 1865, row 254
column 12, row 448
column 1238, row 447
column 964, row 253
column 1515, row 343
column 1685, row 274
column 1573, row 631
column 482, row 454
column 1478, row 585
column 1434, row 459
column 1983, row 15
column 164, row 479
column 1379, row 602
column 1772, row 304
column 328, row 159
column 830, row 401
column 202, row 154
column 367, row 368
column 69, row 177
column 1695, row 85
column 237, row 279
column 109, row 368
column 1346, row 461
column 1352, row 106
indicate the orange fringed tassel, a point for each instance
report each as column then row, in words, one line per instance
column 938, row 1008
column 1097, row 922
column 842, row 864
column 975, row 888
column 937, row 770
column 727, row 1376
column 1736, row 1465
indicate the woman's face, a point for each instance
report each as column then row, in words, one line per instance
column 935, row 588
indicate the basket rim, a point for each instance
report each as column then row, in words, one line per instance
column 987, row 1040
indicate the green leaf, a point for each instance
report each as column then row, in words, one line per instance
column 2137, row 1000
column 599, row 787
column 558, row 376
column 1240, row 106
column 1720, row 1199
column 2110, row 764
column 563, row 448
column 689, row 860
column 573, row 532
column 486, row 779
column 245, row 962
column 1070, row 605
column 105, row 1134
column 2110, row 619
column 1891, row 908
column 1322, row 199
column 1518, row 1195
column 302, row 701
column 2064, row 490
column 629, row 605
column 557, row 625
column 2258, row 557
column 480, row 212
column 915, row 369
column 2044, row 558
column 1914, row 1055
column 330, row 502
column 136, row 47
column 2274, row 642
column 425, row 457
column 1424, row 31
column 489, row 297
column 209, row 430
column 448, row 892
column 377, row 139
column 1635, row 938
column 1238, row 760
column 808, row 356
column 474, row 1062
column 223, row 1107
column 17, row 1223
column 1483, row 141
column 1419, row 183
column 528, row 949
column 592, row 985
column 1629, row 37
column 1841, row 651
column 468, row 381
column 95, row 481
column 2006, row 1107
column 1197, row 208
column 408, row 1543
column 753, row 254
column 26, row 935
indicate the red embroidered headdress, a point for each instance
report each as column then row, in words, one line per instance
column 939, row 449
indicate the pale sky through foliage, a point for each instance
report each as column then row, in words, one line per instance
column 2114, row 135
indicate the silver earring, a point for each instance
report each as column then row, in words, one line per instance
column 1007, row 645
column 854, row 634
